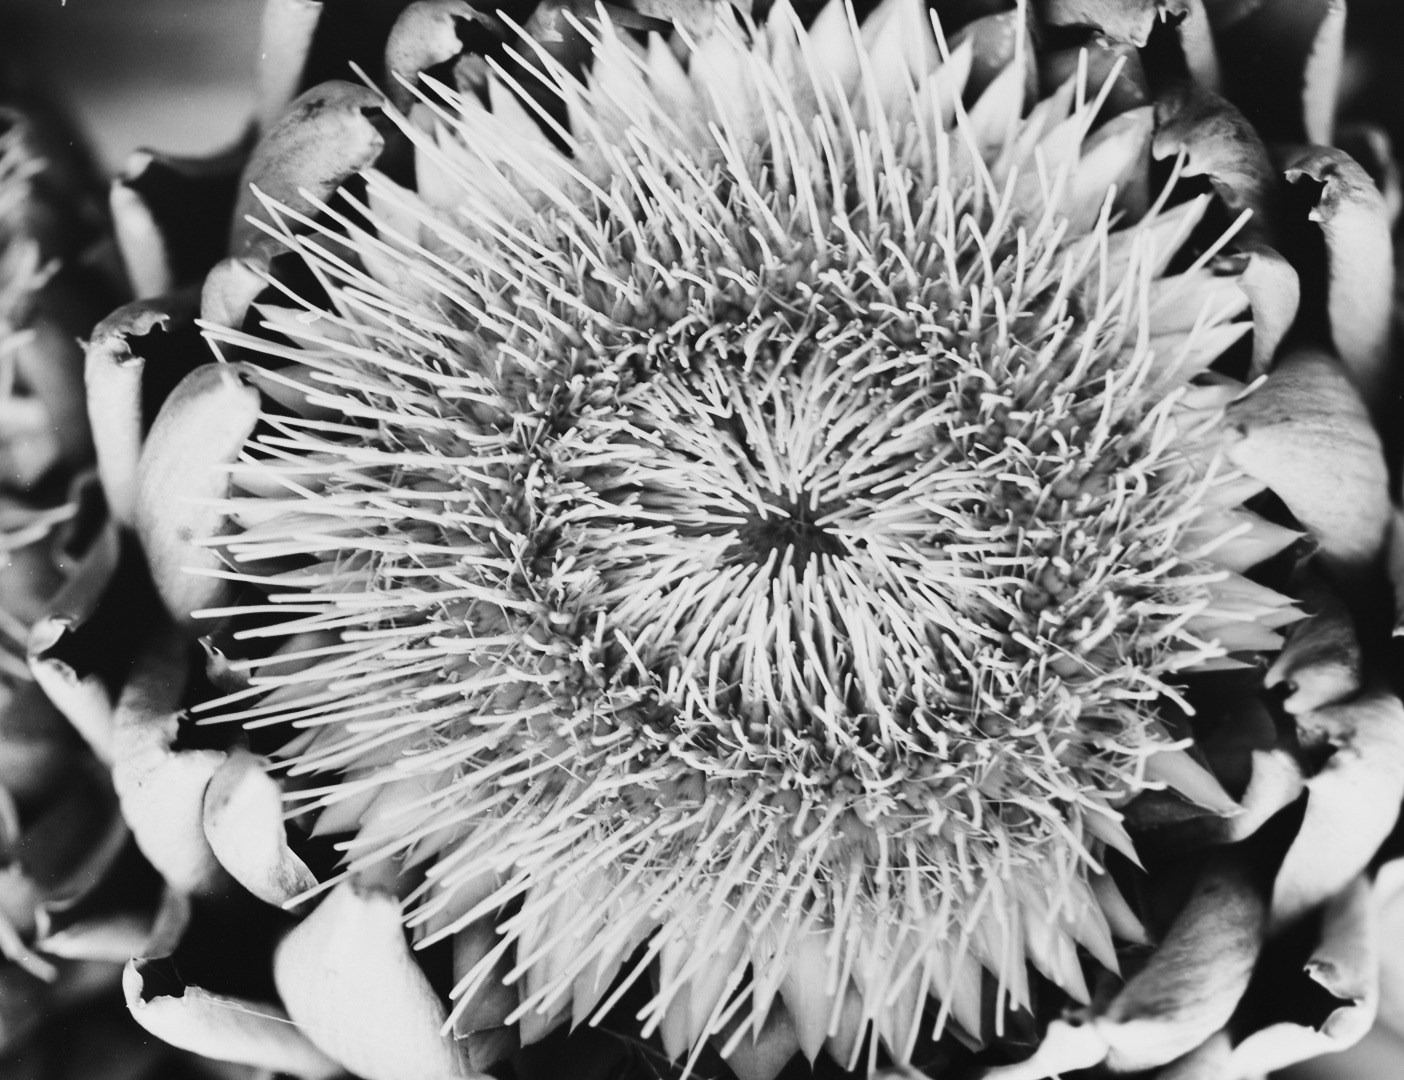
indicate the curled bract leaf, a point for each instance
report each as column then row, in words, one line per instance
column 112, row 936
column 1345, row 964
column 222, row 1027
column 1305, row 432
column 1275, row 783
column 1274, row 295
column 426, row 34
column 145, row 256
column 243, row 815
column 200, row 429
column 120, row 388
column 1371, row 147
column 324, row 137
column 1219, row 143
column 1193, row 981
column 170, row 217
column 349, row 979
column 1352, row 213
column 60, row 652
column 1352, row 803
column 230, row 288
column 162, row 788
column 1320, row 665
column 1185, row 993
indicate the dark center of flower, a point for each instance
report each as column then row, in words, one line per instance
column 790, row 532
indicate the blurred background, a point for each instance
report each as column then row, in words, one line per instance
column 174, row 74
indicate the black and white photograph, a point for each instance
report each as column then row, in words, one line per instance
column 701, row 540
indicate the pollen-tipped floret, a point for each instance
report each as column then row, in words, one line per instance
column 757, row 523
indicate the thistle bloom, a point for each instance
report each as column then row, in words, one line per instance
column 759, row 533
column 746, row 533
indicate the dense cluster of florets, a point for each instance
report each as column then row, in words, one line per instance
column 774, row 506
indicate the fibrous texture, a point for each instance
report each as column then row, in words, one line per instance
column 754, row 527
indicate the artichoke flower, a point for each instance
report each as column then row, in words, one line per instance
column 781, row 533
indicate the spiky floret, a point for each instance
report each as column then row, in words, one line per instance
column 760, row 532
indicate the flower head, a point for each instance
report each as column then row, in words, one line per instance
column 759, row 525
